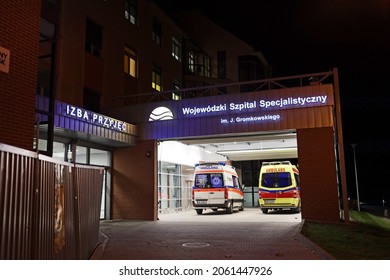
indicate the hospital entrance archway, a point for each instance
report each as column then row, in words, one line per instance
column 177, row 158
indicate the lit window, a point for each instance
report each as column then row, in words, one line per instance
column 176, row 95
column 130, row 62
column 191, row 61
column 176, row 48
column 156, row 80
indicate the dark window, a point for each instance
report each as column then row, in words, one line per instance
column 131, row 11
column 221, row 60
column 93, row 38
column 276, row 180
column 91, row 100
column 157, row 32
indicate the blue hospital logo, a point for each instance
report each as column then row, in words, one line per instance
column 160, row 114
column 216, row 181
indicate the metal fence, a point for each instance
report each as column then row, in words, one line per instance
column 49, row 209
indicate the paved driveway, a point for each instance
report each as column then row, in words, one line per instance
column 245, row 235
column 249, row 215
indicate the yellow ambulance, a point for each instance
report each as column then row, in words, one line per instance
column 279, row 187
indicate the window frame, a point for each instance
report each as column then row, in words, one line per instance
column 131, row 11
column 129, row 59
column 157, row 31
column 157, row 79
column 176, row 48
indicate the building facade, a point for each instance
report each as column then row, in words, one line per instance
column 97, row 68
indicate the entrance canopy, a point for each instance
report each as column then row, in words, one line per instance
column 240, row 113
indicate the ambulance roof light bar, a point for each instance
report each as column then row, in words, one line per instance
column 211, row 163
column 276, row 162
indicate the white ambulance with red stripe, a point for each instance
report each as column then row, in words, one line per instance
column 217, row 186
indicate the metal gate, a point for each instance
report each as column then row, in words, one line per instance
column 49, row 209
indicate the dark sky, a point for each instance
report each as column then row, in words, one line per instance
column 310, row 36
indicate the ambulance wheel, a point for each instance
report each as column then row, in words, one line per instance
column 199, row 211
column 230, row 208
column 264, row 210
column 298, row 209
column 242, row 207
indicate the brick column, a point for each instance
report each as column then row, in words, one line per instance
column 318, row 176
column 134, row 182
column 19, row 33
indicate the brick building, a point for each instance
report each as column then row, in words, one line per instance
column 87, row 75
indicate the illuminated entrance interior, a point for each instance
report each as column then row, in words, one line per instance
column 176, row 160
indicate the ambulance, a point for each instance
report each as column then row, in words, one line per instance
column 279, row 187
column 217, row 186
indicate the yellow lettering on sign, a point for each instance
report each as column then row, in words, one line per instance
column 276, row 169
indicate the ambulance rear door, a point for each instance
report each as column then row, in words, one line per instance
column 209, row 189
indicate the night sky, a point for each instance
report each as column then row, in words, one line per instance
column 311, row 36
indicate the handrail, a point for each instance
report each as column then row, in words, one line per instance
column 263, row 84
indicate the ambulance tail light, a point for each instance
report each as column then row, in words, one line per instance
column 226, row 193
column 296, row 192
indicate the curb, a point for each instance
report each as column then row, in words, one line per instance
column 98, row 253
column 312, row 246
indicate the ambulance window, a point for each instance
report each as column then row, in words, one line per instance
column 235, row 182
column 268, row 180
column 284, row 179
column 276, row 180
column 216, row 180
column 297, row 179
column 200, row 180
column 213, row 180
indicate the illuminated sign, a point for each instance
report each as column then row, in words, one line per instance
column 161, row 113
column 254, row 105
column 95, row 118
column 245, row 112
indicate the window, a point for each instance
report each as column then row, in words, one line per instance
column 221, row 60
column 156, row 79
column 191, row 62
column 213, row 180
column 176, row 48
column 131, row 11
column 93, row 38
column 130, row 62
column 91, row 100
column 276, row 180
column 176, row 85
column 236, row 182
column 157, row 31
column 207, row 69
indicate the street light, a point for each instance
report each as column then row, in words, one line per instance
column 356, row 178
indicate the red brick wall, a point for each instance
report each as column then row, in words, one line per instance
column 318, row 176
column 134, row 188
column 19, row 33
